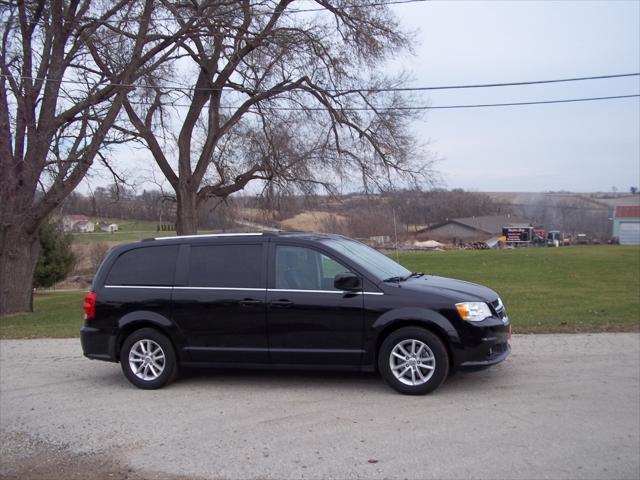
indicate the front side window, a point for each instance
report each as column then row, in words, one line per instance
column 231, row 266
column 149, row 266
column 300, row 268
column 379, row 265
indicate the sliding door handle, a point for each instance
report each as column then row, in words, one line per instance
column 250, row 302
column 281, row 303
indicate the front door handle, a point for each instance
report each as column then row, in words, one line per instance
column 281, row 303
column 248, row 302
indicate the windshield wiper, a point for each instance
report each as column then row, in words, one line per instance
column 397, row 279
column 401, row 278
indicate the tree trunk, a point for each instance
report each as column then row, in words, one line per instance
column 187, row 214
column 19, row 251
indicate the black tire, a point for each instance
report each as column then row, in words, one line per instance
column 149, row 336
column 440, row 360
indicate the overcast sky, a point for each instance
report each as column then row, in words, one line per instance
column 589, row 146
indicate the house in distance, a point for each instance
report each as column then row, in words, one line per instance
column 77, row 223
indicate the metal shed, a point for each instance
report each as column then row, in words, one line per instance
column 626, row 225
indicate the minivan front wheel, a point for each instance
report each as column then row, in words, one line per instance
column 148, row 359
column 413, row 360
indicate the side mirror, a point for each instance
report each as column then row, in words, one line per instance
column 347, row 281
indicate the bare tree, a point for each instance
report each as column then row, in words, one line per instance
column 272, row 94
column 56, row 110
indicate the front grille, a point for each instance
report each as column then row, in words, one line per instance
column 497, row 349
column 498, row 307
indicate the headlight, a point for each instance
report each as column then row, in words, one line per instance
column 473, row 311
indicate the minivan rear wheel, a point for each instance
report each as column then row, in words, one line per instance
column 413, row 360
column 148, row 359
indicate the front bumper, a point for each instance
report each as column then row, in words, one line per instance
column 98, row 344
column 487, row 343
column 494, row 356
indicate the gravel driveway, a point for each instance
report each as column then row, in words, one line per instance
column 562, row 406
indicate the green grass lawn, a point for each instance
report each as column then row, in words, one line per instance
column 590, row 288
column 56, row 314
column 128, row 231
column 586, row 288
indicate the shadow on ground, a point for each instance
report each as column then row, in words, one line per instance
column 346, row 381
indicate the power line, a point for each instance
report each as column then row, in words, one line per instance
column 508, row 84
column 542, row 102
column 271, row 12
column 364, row 5
column 422, row 107
column 324, row 9
column 352, row 90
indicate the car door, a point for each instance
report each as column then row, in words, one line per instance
column 221, row 306
column 309, row 321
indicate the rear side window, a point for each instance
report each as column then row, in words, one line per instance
column 231, row 266
column 154, row 266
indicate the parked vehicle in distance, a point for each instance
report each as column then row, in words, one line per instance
column 518, row 234
column 582, row 239
column 285, row 300
column 554, row 238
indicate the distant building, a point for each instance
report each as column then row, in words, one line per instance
column 626, row 224
column 77, row 223
column 84, row 227
column 469, row 228
column 109, row 227
column 379, row 240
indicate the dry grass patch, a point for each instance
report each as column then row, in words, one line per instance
column 312, row 221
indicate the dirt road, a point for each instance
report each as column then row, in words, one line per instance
column 562, row 406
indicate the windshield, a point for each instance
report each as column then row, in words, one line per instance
column 381, row 266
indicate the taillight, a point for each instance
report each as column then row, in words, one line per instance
column 89, row 306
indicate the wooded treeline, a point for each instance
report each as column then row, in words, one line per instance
column 356, row 214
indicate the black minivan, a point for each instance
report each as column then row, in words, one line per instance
column 285, row 300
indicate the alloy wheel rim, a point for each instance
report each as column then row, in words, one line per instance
column 412, row 362
column 146, row 360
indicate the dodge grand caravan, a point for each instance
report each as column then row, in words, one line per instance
column 285, row 300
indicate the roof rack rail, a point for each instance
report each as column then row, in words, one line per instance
column 210, row 235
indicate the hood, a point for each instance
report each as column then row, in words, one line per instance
column 456, row 290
